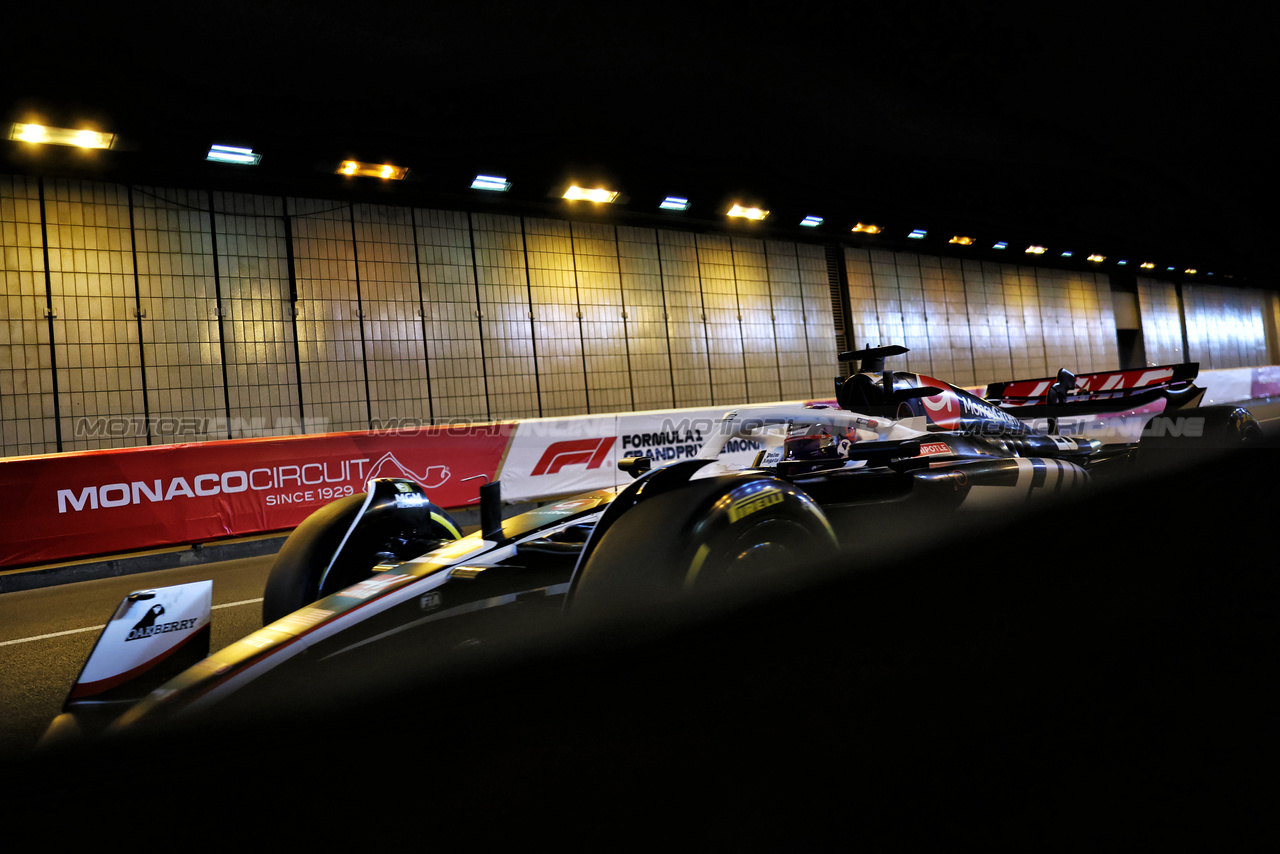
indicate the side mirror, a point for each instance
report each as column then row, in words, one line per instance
column 635, row 466
column 491, row 511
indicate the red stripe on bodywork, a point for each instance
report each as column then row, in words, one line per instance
column 89, row 689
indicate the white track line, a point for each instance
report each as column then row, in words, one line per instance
column 100, row 628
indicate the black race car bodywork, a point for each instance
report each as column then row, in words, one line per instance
column 388, row 568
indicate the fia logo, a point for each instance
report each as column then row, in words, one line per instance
column 430, row 601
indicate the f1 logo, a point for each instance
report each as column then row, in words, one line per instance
column 574, row 452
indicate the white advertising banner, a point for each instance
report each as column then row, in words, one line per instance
column 1226, row 385
column 550, row 457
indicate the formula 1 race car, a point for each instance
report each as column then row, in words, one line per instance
column 388, row 570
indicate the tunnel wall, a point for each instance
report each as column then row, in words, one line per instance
column 137, row 315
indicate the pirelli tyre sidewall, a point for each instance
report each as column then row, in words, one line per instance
column 339, row 544
column 700, row 540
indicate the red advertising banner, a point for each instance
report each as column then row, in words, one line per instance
column 64, row 506
column 1265, row 382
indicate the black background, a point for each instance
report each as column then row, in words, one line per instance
column 1138, row 133
column 1093, row 677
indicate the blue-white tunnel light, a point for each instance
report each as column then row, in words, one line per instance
column 233, row 154
column 491, row 182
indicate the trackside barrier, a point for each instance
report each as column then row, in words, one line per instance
column 66, row 506
column 562, row 456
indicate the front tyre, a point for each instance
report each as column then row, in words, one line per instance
column 340, row 544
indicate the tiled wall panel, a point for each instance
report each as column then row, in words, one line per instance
column 1161, row 321
column 644, row 298
column 938, row 332
column 723, row 319
column 994, row 358
column 330, row 346
column 1013, row 300
column 973, row 322
column 605, row 345
column 686, row 329
column 257, row 326
column 791, row 338
column 454, row 346
column 27, row 424
column 178, row 294
column 99, row 373
column 864, row 322
column 956, row 315
column 1226, row 327
column 408, row 316
column 888, row 299
column 399, row 389
column 1056, row 324
column 557, row 317
column 818, row 299
column 515, row 380
column 915, row 329
column 1036, row 353
column 755, row 308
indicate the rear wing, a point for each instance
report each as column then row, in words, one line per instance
column 1092, row 388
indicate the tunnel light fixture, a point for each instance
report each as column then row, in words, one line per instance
column 1001, row 244
column 372, row 170
column 1122, row 263
column 917, row 234
column 748, row 213
column 1097, row 259
column 963, row 241
column 674, row 203
column 1190, row 271
column 79, row 138
column 581, row 194
column 1035, row 250
column 865, row 228
column 232, row 154
column 811, row 221
column 1068, row 254
column 491, row 182
column 1147, row 265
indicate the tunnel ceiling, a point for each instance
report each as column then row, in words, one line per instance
column 1141, row 136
